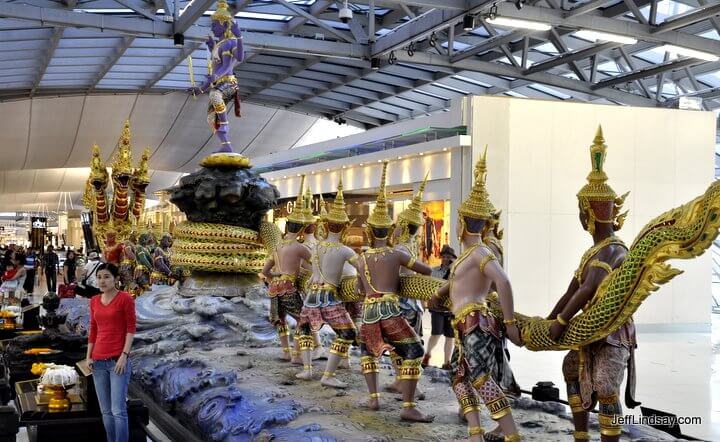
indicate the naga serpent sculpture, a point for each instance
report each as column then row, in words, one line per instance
column 681, row 233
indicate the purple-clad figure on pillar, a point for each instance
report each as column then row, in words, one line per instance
column 226, row 50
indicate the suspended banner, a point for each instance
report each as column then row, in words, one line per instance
column 37, row 232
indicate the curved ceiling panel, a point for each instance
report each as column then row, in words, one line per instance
column 14, row 117
column 53, row 125
column 102, row 121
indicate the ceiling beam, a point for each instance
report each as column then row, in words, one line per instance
column 648, row 72
column 193, row 11
column 500, row 69
column 571, row 56
column 636, row 12
column 185, row 53
column 423, row 25
column 490, row 43
column 316, row 21
column 49, row 52
column 587, row 7
column 280, row 78
column 316, row 9
column 141, row 8
column 119, row 52
column 702, row 13
column 140, row 27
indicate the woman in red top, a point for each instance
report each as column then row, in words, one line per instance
column 112, row 327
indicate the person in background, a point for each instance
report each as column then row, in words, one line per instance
column 51, row 265
column 31, row 263
column 442, row 321
column 112, row 328
column 14, row 276
column 70, row 268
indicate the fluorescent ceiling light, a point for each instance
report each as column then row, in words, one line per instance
column 604, row 36
column 515, row 23
column 679, row 50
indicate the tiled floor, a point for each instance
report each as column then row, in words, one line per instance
column 676, row 373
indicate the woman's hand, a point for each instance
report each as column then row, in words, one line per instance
column 90, row 364
column 120, row 364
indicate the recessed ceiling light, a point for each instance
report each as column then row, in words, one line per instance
column 361, row 164
column 284, row 176
column 444, row 149
column 297, row 175
column 327, row 170
column 422, row 153
column 379, row 161
column 516, row 23
column 312, row 172
column 399, row 157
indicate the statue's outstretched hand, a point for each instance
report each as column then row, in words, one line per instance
column 236, row 30
column 210, row 42
column 556, row 331
column 195, row 90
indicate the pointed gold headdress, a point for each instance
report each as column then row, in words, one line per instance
column 413, row 213
column 307, row 207
column 323, row 209
column 297, row 215
column 222, row 14
column 338, row 213
column 380, row 217
column 477, row 205
column 123, row 157
column 597, row 188
column 597, row 197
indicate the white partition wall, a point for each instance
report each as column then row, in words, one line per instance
column 538, row 159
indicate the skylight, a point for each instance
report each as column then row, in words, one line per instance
column 549, row 91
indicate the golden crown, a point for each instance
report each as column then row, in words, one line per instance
column 380, row 217
column 338, row 212
column 597, row 188
column 413, row 213
column 297, row 215
column 307, row 210
column 477, row 205
column 222, row 14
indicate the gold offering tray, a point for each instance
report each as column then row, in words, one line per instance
column 44, row 398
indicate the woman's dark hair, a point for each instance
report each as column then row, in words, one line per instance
column 294, row 227
column 20, row 258
column 412, row 228
column 68, row 255
column 110, row 267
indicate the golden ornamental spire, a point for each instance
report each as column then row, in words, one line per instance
column 307, row 207
column 141, row 174
column 297, row 214
column 222, row 14
column 477, row 205
column 413, row 213
column 323, row 209
column 123, row 157
column 338, row 213
column 597, row 188
column 380, row 217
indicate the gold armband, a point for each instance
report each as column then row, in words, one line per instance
column 561, row 320
column 411, row 262
column 512, row 321
column 601, row 265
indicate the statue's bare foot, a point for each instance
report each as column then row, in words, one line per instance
column 296, row 360
column 372, row 403
column 224, row 148
column 414, row 415
column 344, row 364
column 393, row 388
column 305, row 375
column 496, row 435
column 319, row 353
column 333, row 382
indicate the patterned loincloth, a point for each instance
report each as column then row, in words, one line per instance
column 392, row 334
column 479, row 353
column 283, row 305
column 601, row 371
column 313, row 318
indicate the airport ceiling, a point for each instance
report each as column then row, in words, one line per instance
column 71, row 71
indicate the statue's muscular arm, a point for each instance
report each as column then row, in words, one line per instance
column 497, row 275
column 305, row 255
column 267, row 268
column 417, row 266
column 572, row 288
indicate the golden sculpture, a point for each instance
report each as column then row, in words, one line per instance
column 125, row 179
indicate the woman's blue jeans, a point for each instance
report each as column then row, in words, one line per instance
column 111, row 389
